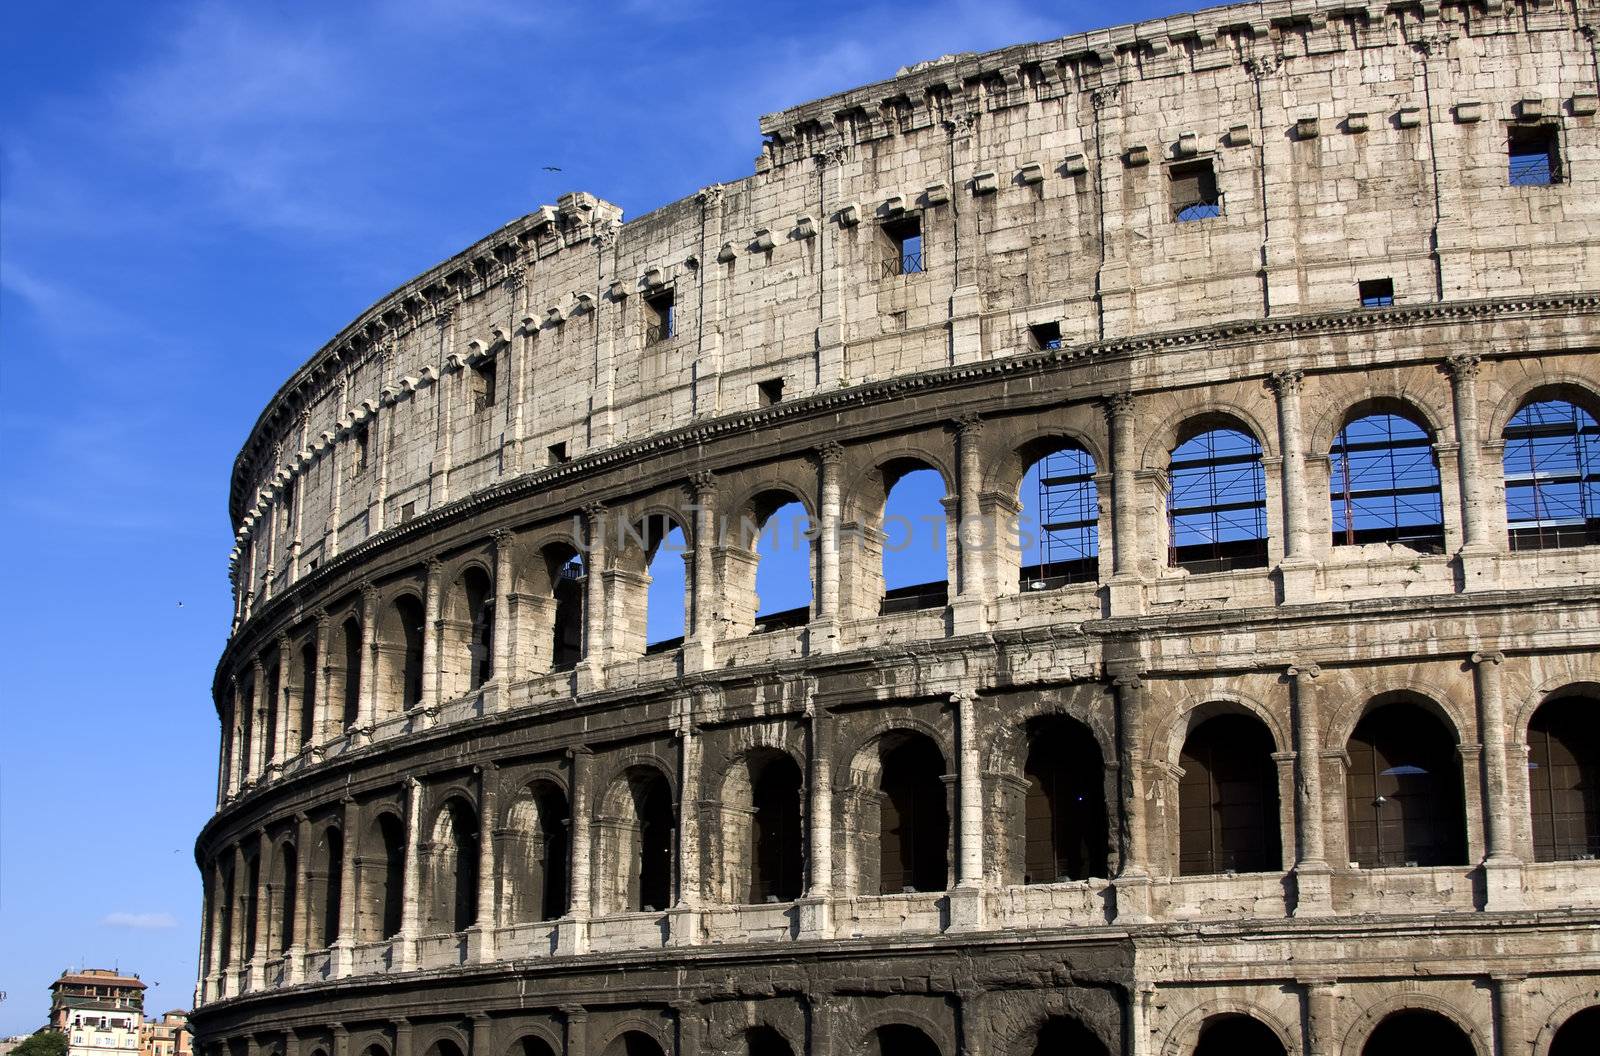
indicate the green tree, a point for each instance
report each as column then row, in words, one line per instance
column 46, row 1042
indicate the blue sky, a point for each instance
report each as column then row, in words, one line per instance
column 193, row 197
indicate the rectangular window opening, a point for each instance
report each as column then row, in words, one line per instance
column 1194, row 191
column 1046, row 335
column 362, row 436
column 558, row 453
column 904, row 237
column 1535, row 156
column 1376, row 293
column 408, row 511
column 771, row 391
column 483, row 385
column 660, row 318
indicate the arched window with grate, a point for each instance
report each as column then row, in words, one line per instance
column 1384, row 484
column 1060, row 520
column 1217, row 503
column 1552, row 476
column 1564, row 780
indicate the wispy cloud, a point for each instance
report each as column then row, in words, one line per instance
column 140, row 921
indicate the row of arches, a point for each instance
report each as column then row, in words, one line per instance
column 894, row 555
column 1402, row 1031
column 1403, row 805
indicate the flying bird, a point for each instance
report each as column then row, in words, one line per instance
column 552, row 168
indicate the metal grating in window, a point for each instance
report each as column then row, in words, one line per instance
column 1552, row 475
column 1218, row 503
column 1065, row 520
column 1384, row 482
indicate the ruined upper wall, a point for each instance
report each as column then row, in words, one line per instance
column 1348, row 141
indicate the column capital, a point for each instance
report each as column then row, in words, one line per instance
column 1306, row 669
column 578, row 750
column 830, row 453
column 282, row 642
column 369, row 591
column 503, row 538
column 1463, row 366
column 322, row 619
column 1117, row 404
column 434, row 567
column 968, row 425
column 1285, row 382
column 1487, row 657
column 256, row 666
column 702, row 482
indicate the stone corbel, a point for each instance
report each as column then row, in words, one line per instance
column 849, row 215
column 555, row 315
column 936, row 193
column 1408, row 117
column 1186, row 146
column 653, row 278
column 390, row 395
column 1584, row 104
column 1239, row 136
column 893, row 205
column 617, row 291
column 454, row 362
column 1356, row 122
column 1307, row 126
column 1075, row 165
column 985, row 182
column 1531, row 109
column 543, row 217
column 805, row 228
column 1136, row 155
column 726, row 254
column 763, row 242
column 1468, row 112
column 1030, row 174
column 409, row 384
column 427, row 376
column 582, row 303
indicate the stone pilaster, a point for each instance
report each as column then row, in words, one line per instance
column 1132, row 882
column 1126, row 589
column 816, row 918
column 1502, row 867
column 1478, row 556
column 1313, row 882
column 411, row 901
column 433, row 634
column 966, row 901
column 699, row 653
column 824, row 636
column 970, row 607
column 573, row 931
column 482, row 941
column 1297, row 570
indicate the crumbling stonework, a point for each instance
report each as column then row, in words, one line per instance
column 463, row 807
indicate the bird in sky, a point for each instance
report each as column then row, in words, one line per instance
column 552, row 168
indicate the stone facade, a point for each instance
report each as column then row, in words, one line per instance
column 463, row 807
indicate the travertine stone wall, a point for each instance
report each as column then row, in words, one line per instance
column 368, row 782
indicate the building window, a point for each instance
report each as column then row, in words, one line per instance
column 361, row 435
column 1384, row 485
column 1552, row 474
column 660, row 317
column 1535, row 156
column 1217, row 506
column 1194, row 191
column 1059, row 525
column 558, row 453
column 771, row 391
column 1045, row 335
column 483, row 384
column 904, row 246
column 1376, row 293
column 408, row 511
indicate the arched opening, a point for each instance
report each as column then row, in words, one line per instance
column 1228, row 799
column 247, row 726
column 764, row 1041
column 767, row 580
column 452, row 868
column 1415, row 1030
column 401, row 648
column 469, row 632
column 667, row 599
column 531, row 1046
column 308, row 693
column 566, row 571
column 1579, row 1035
column 285, row 895
column 776, row 834
column 1384, row 484
column 380, row 879
column 273, row 698
column 226, row 895
column 913, row 816
column 536, row 854
column 1236, row 1034
column 1064, row 814
column 633, row 1043
column 444, row 1047
column 639, row 831
column 1552, row 475
column 327, row 878
column 1217, row 503
column 899, row 1039
column 1403, row 793
column 1065, row 1036
column 349, row 677
column 250, row 902
column 1564, row 779
column 375, row 1050
column 1059, row 521
column 916, row 561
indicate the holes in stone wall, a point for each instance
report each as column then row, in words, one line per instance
column 451, row 868
column 1232, row 1033
column 916, row 560
column 536, row 851
column 1058, row 525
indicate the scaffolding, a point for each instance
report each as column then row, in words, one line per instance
column 1218, row 503
column 1069, row 521
column 1552, row 473
column 1384, row 485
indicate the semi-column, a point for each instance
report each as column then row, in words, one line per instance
column 300, row 911
column 411, row 902
column 504, row 541
column 1125, row 593
column 575, row 930
column 368, row 704
column 1501, row 866
column 1133, row 879
column 323, row 718
column 1313, row 891
column 432, row 633
column 488, row 906
column 1322, row 1035
column 1297, row 567
column 258, row 963
column 966, row 903
column 592, row 666
column 688, row 809
column 1463, row 371
column 280, row 732
column 825, row 628
column 969, row 609
column 260, row 736
column 700, row 650
column 815, row 908
column 1509, row 1001
column 349, row 838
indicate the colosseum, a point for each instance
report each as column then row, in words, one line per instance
column 1250, row 708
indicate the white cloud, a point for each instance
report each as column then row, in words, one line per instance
column 140, row 921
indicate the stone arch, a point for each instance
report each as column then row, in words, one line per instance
column 1059, row 541
column 1189, row 419
column 1067, row 803
column 1337, row 409
column 1539, row 494
column 1586, row 1004
column 440, row 1039
column 1372, row 1017
column 1547, row 384
column 1217, row 514
column 284, row 894
column 638, row 839
column 534, row 851
column 534, row 1039
column 1563, row 768
column 879, row 561
column 1185, row 1033
column 344, row 676
column 467, row 631
column 1340, row 721
column 303, row 691
column 1229, row 815
column 763, row 1039
column 325, row 877
column 1167, row 735
column 737, row 559
column 642, row 1033
column 450, row 865
column 1041, row 1035
column 1404, row 769
column 762, row 832
column 640, row 548
column 898, row 827
column 1523, row 699
column 401, row 641
column 547, row 599
column 871, row 1025
column 380, row 876
column 1379, row 488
